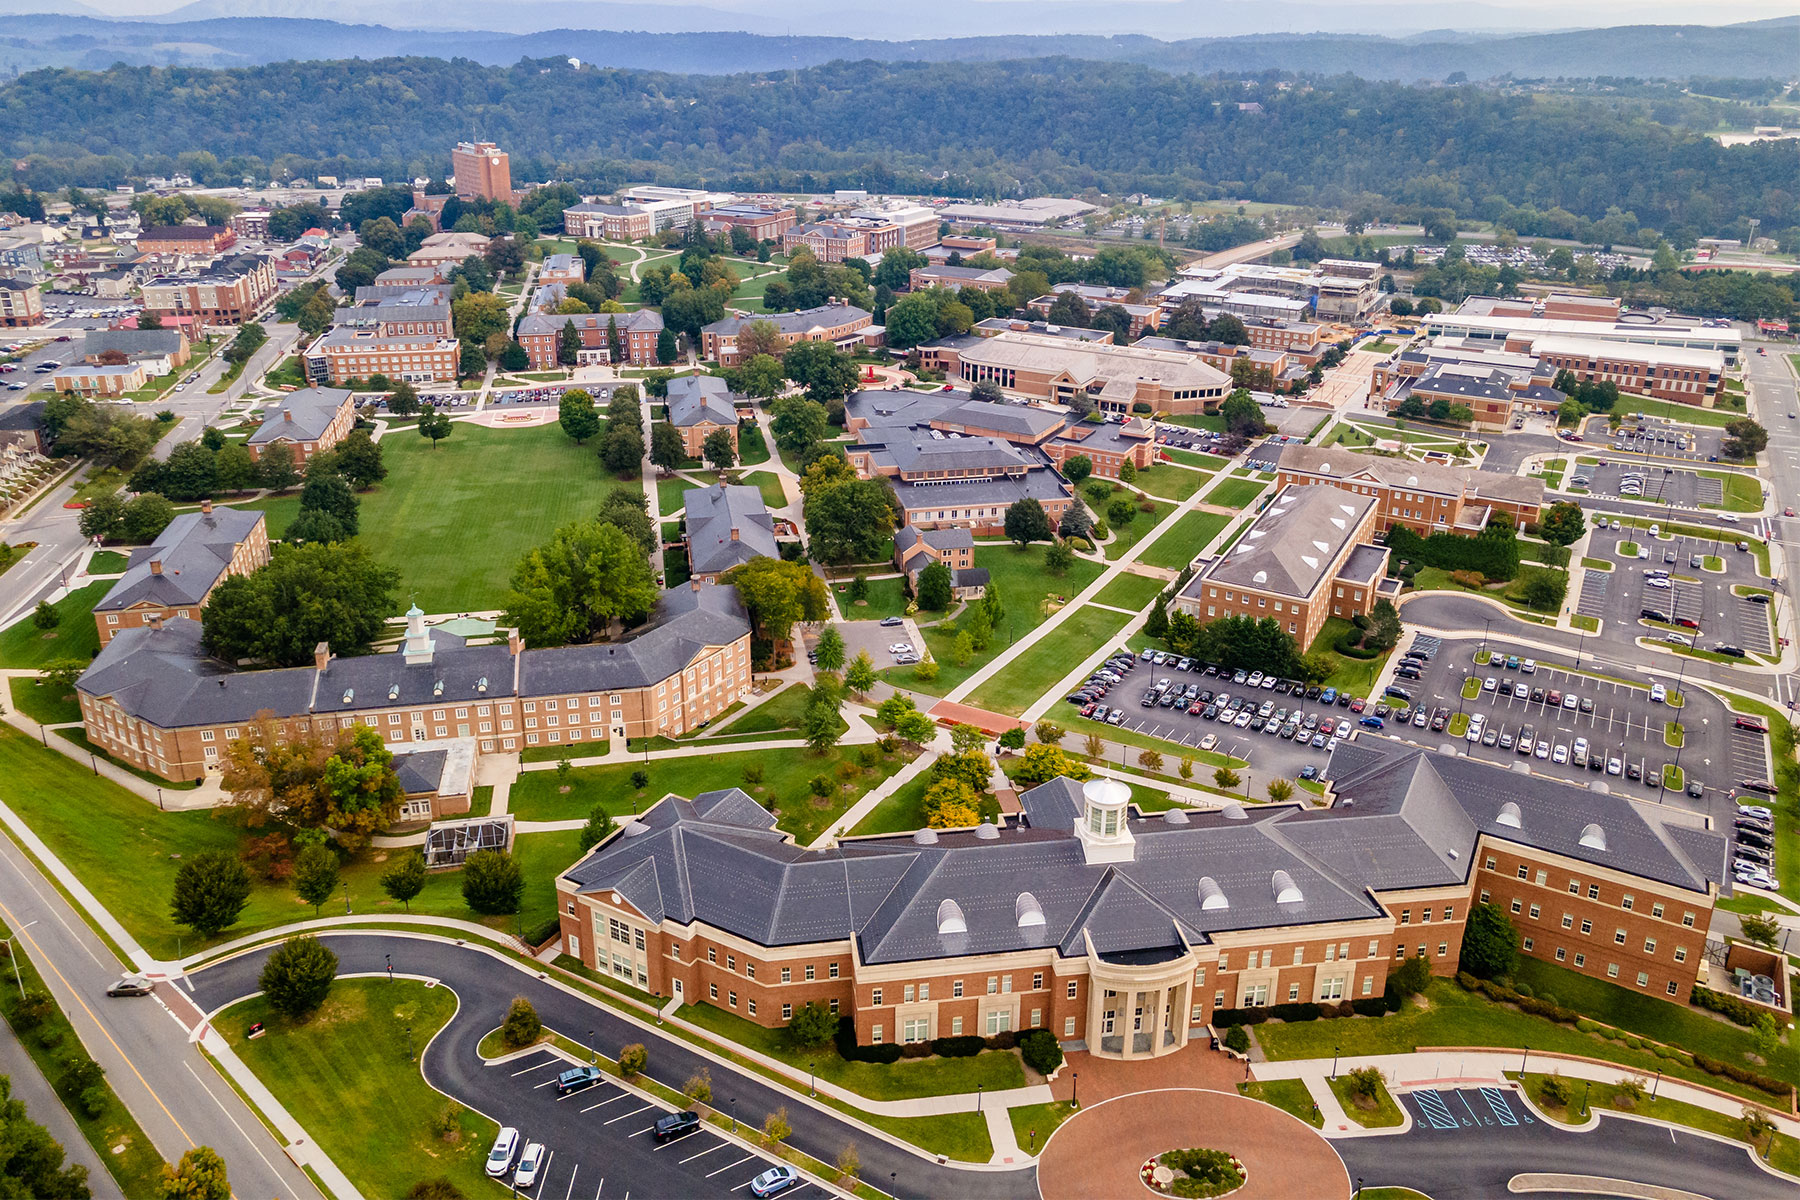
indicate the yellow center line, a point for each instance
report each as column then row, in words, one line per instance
column 45, row 959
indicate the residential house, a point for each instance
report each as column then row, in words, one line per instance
column 698, row 405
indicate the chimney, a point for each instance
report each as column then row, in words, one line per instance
column 695, row 584
column 206, row 506
column 513, row 644
column 287, row 414
column 154, row 620
column 734, row 533
column 321, row 655
column 156, row 566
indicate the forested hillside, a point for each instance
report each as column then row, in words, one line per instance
column 1041, row 126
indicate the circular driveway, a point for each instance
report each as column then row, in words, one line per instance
column 1096, row 1153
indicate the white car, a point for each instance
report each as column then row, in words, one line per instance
column 531, row 1165
column 1614, row 767
column 1541, row 750
column 1560, row 755
column 900, row 648
column 1658, row 693
column 1570, row 700
column 1209, row 741
column 506, row 1148
column 1490, row 684
column 1529, row 666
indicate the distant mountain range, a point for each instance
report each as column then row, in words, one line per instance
column 70, row 39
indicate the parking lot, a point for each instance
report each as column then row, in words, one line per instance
column 1706, row 605
column 1624, row 730
column 1662, row 438
column 1649, row 482
column 600, row 1142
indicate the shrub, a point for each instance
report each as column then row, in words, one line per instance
column 1373, row 1006
column 959, row 1047
column 1041, row 1051
column 447, row 1124
column 492, row 882
column 298, row 975
column 1238, row 1038
column 1295, row 1012
column 1006, row 1039
column 633, row 1059
column 1410, row 977
column 698, row 1088
column 1732, row 1007
column 1585, row 1025
column 915, row 1050
column 1556, row 1091
column 522, row 1026
column 1364, row 1082
column 1470, row 579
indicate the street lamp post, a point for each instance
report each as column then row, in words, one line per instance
column 1522, row 1059
column 1585, row 1088
column 593, row 1054
column 346, row 897
column 1657, row 1084
column 1335, row 1051
column 12, row 955
column 978, row 1097
column 1074, row 1089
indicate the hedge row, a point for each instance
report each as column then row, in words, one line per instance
column 1372, row 1006
column 892, row 1052
column 1494, row 555
column 1556, row 1012
column 1734, row 1008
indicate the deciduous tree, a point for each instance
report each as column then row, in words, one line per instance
column 298, row 976
column 571, row 588
column 210, row 891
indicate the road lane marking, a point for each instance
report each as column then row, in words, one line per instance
column 234, row 1121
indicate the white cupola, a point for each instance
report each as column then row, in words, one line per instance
column 1103, row 829
column 418, row 646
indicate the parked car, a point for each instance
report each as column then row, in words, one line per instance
column 675, row 1125
column 506, row 1148
column 577, row 1078
column 531, row 1165
column 774, row 1181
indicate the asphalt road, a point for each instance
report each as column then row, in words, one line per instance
column 1475, row 1159
column 176, row 1095
column 485, row 988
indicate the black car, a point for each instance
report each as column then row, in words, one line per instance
column 1313, row 691
column 674, row 1125
column 1654, row 614
column 1728, row 650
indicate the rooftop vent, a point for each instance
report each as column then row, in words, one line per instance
column 1260, row 577
column 1509, row 816
column 1285, row 889
column 925, row 837
column 987, row 833
column 1027, row 911
column 1175, row 816
column 1212, row 896
column 1234, row 812
column 1593, row 837
column 950, row 918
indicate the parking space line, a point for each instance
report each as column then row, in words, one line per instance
column 545, row 1084
column 572, row 1175
column 529, row 1070
column 690, row 1158
column 634, row 1112
column 728, row 1166
column 590, row 1108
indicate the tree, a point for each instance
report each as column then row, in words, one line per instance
column 825, row 372
column 568, row 345
column 798, row 423
column 622, row 450
column 210, row 891
column 276, row 468
column 1077, row 467
column 1543, row 588
column 434, row 425
column 199, row 1175
column 1764, row 931
column 830, row 649
column 811, row 1025
column 1026, row 522
column 405, row 879
column 666, row 448
column 1280, row 791
column 574, row 586
column 190, row 472
column 1490, row 945
column 1411, row 977
column 849, row 519
column 522, row 1027
column 912, row 320
column 934, row 587
column 577, row 416
column 304, row 595
column 633, row 1058
column 298, row 976
column 1226, row 779
column 1243, row 415
column 45, row 617
column 1365, row 1083
column 778, row 594
column 599, row 825
column 359, row 461
column 1058, row 558
column 720, row 448
column 102, row 517
column 1044, row 762
column 860, row 676
column 316, row 875
column 761, row 377
column 1562, row 523
column 1744, row 438
column 1121, row 511
column 629, row 509
column 492, row 882
column 1013, row 740
column 328, row 492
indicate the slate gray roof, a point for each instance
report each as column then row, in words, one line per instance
column 955, row 537
column 1018, row 420
column 825, row 316
column 1406, row 818
column 1293, row 544
column 697, row 398
column 916, row 451
column 419, row 772
column 951, row 275
column 132, row 341
column 1044, row 485
column 712, row 513
column 163, row 676
column 1338, row 463
column 194, row 551
column 301, row 415
column 643, row 320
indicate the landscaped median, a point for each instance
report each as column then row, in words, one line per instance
column 1043, row 664
column 1572, row 1101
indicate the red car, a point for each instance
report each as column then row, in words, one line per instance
column 1787, row 512
column 1357, row 706
column 1087, row 710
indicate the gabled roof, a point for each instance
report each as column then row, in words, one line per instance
column 804, row 321
column 299, row 416
column 1292, row 547
column 1338, row 463
column 713, row 514
column 694, row 399
column 643, row 320
column 193, row 553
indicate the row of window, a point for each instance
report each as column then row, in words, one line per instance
column 1587, row 929
column 1334, row 952
column 810, row 970
column 1612, row 969
column 1627, row 901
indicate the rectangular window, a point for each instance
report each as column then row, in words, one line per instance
column 1406, row 916
column 1071, row 988
column 1443, row 949
column 956, row 1026
column 1671, row 988
column 731, row 962
column 1523, row 873
column 907, row 993
column 993, row 985
column 1374, row 948
column 915, row 1030
column 1516, row 906
column 1574, row 887
column 1541, row 877
column 1643, row 979
column 712, row 954
column 1037, row 980
column 1687, row 919
column 753, row 1008
column 1593, row 891
column 1037, row 1018
column 1649, row 945
column 1581, row 960
column 1656, row 910
column 1587, row 926
column 1293, row 992
column 1299, row 955
column 1681, row 954
column 749, row 969
column 1488, row 863
column 1368, row 986
column 787, row 1012
column 811, row 971
column 875, row 1035
column 1568, row 920
column 999, row 1020
column 924, row 991
column 1627, row 900
column 1527, row 943
column 787, row 974
column 875, row 997
column 831, row 971
column 833, row 1005
column 712, row 990
column 1069, row 1024
column 1534, row 912
column 1618, row 937
column 1561, row 954
column 956, row 988
column 1612, row 970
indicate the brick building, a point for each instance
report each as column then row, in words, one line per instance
column 189, row 241
column 229, row 292
column 1129, row 932
column 1680, row 374
column 726, row 526
column 541, row 333
column 1425, row 497
column 996, row 279
column 443, row 251
column 481, row 171
column 844, row 237
column 1116, row 378
column 174, row 575
column 100, row 381
column 840, row 324
column 699, row 405
column 252, row 224
column 608, row 222
column 153, row 698
column 1309, row 556
column 398, row 330
column 764, row 222
column 21, row 304
column 308, row 421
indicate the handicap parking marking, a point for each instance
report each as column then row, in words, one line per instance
column 1434, row 1111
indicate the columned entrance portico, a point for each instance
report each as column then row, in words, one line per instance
column 1139, row 1009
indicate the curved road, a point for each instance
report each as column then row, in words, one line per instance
column 451, row 1064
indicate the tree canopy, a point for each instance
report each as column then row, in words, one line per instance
column 304, row 595
column 573, row 587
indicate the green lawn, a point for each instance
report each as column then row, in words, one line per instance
column 1289, row 1095
column 535, row 797
column 1034, row 1123
column 752, row 449
column 127, row 853
column 1039, row 668
column 1459, row 1018
column 1124, row 537
column 1354, row 675
column 1172, row 482
column 1134, row 591
column 901, row 812
column 780, row 711
column 1025, row 591
column 904, row 1080
column 1193, row 458
column 1380, row 1114
column 669, row 491
column 1743, row 493
column 769, row 483
column 887, row 598
column 1784, row 1154
column 1691, row 414
column 287, row 373
column 37, row 699
column 1237, row 493
column 1178, row 546
column 107, row 562
column 348, row 1076
column 521, row 484
column 74, row 636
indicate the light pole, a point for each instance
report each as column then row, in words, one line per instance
column 593, row 1054
column 1486, row 625
column 1074, row 1089
column 13, row 955
column 346, row 897
column 1335, row 1051
column 978, row 1097
column 1522, row 1060
column 1657, row 1084
column 1585, row 1088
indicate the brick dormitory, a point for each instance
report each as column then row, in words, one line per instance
column 153, row 697
column 1125, row 933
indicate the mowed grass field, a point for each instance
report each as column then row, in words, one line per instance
column 454, row 520
column 1177, row 547
column 1038, row 669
